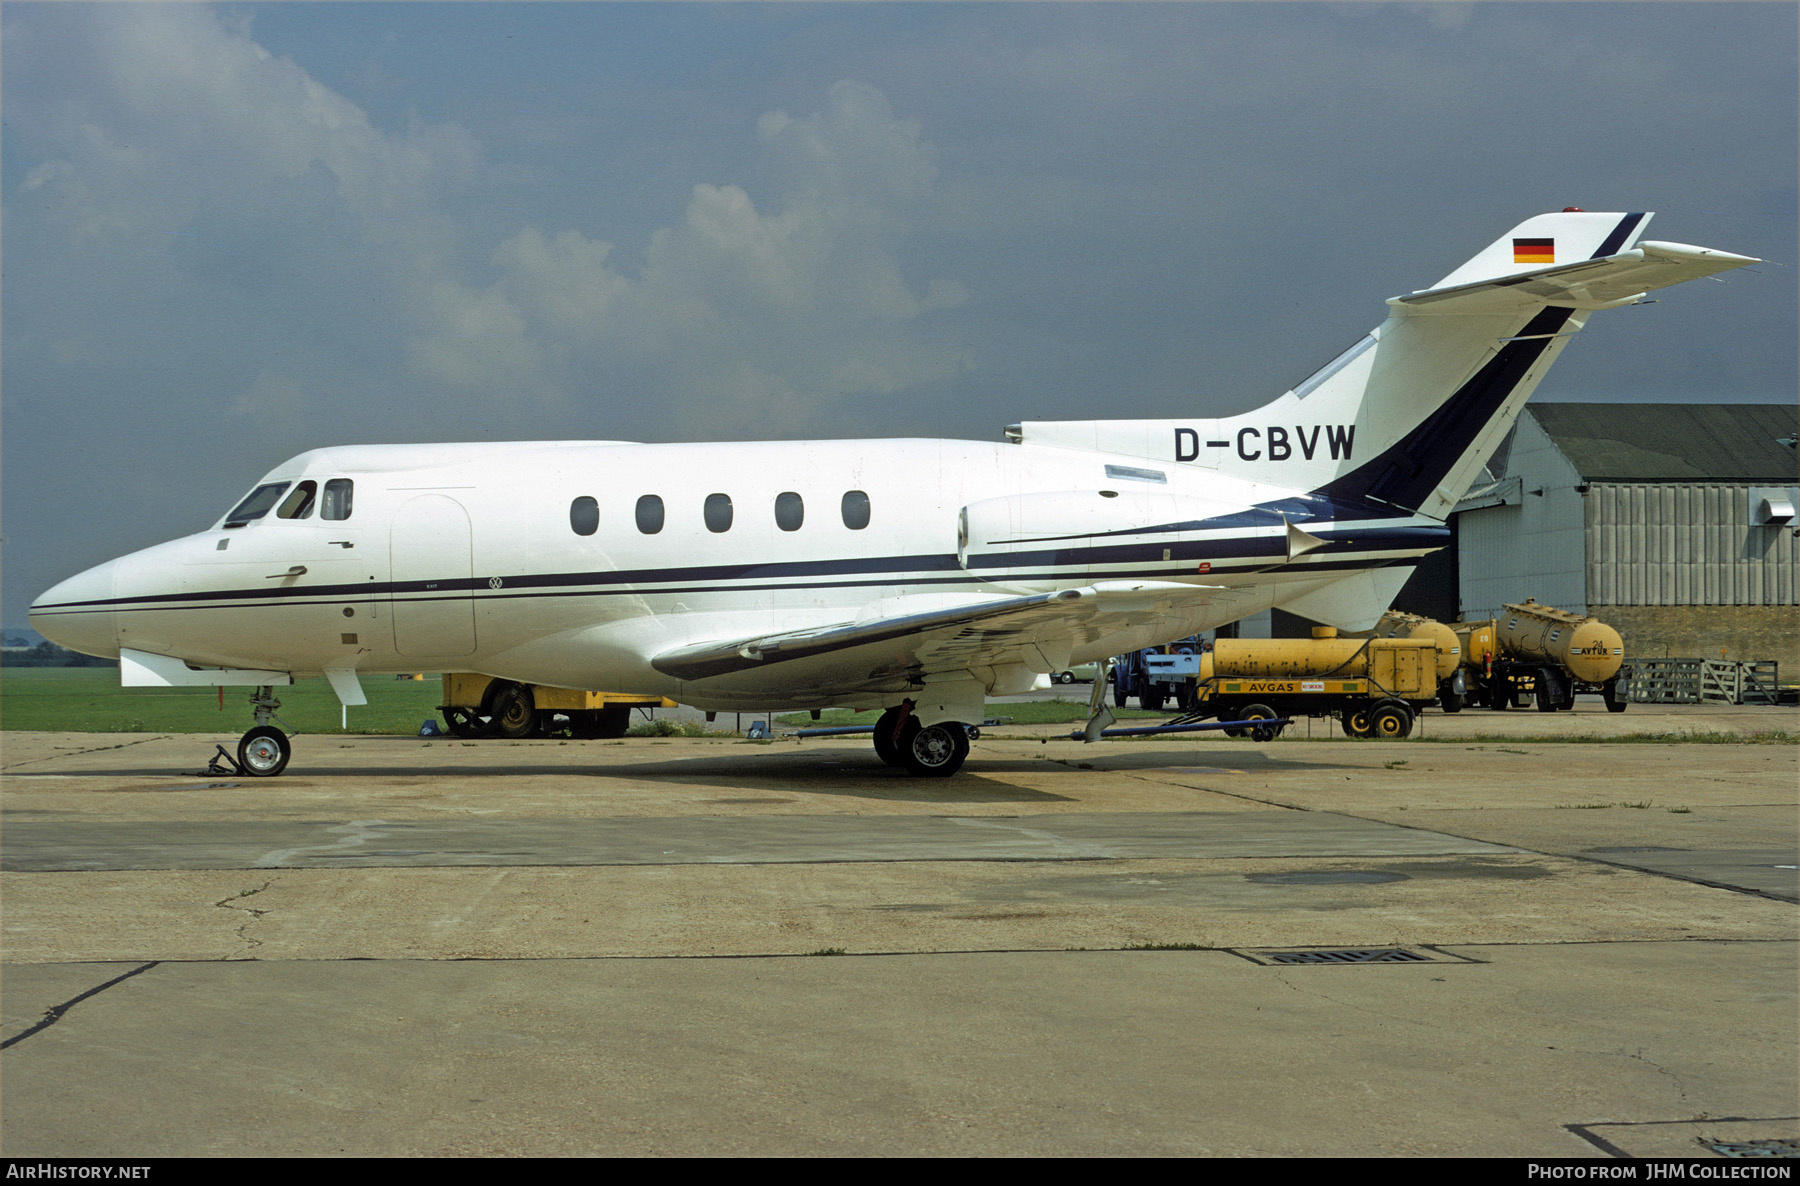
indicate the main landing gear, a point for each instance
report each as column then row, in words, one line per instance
column 264, row 751
column 927, row 751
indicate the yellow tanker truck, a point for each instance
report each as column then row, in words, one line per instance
column 1375, row 687
column 1539, row 653
column 481, row 706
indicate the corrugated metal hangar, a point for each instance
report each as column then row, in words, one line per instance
column 1674, row 523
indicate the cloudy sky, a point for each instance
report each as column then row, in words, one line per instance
column 234, row 232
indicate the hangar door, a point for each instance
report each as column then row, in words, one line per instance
column 433, row 557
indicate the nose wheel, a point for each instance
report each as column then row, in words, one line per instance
column 264, row 751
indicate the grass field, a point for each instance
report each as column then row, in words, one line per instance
column 90, row 700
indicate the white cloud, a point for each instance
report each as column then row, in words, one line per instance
column 744, row 315
column 745, row 319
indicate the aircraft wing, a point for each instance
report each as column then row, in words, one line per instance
column 957, row 637
column 1588, row 284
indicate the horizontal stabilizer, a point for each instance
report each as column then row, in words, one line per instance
column 1602, row 283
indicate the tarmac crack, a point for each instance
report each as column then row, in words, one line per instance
column 231, row 903
column 91, row 750
column 55, row 1013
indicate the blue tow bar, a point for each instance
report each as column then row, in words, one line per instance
column 1146, row 730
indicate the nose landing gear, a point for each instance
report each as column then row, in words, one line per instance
column 263, row 752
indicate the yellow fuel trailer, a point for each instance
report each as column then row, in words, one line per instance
column 1374, row 686
column 481, row 706
column 1452, row 688
column 1538, row 652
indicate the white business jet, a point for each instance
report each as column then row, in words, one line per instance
column 918, row 576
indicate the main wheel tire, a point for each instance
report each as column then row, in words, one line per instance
column 264, row 751
column 1390, row 721
column 887, row 746
column 1260, row 712
column 466, row 722
column 934, row 751
column 513, row 711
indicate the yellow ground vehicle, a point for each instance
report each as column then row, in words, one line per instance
column 1537, row 652
column 481, row 706
column 1374, row 686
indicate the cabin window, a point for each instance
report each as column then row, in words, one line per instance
column 649, row 514
column 584, row 516
column 856, row 510
column 336, row 502
column 790, row 512
column 256, row 505
column 718, row 512
column 299, row 504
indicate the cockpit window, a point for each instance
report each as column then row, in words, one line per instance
column 256, row 505
column 337, row 499
column 299, row 504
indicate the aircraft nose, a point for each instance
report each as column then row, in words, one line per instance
column 78, row 613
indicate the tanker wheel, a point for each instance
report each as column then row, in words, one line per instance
column 1451, row 701
column 1356, row 722
column 1261, row 712
column 1500, row 697
column 1390, row 721
column 1616, row 700
column 514, row 714
column 465, row 722
column 1230, row 712
column 1546, row 697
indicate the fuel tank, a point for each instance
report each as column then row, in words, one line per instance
column 1395, row 624
column 1588, row 647
column 1401, row 666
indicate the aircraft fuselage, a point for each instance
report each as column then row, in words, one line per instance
column 535, row 562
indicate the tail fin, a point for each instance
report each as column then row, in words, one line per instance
column 1406, row 416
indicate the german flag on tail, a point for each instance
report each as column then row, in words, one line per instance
column 1534, row 251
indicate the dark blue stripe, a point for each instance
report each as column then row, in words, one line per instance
column 1405, row 474
column 1619, row 234
column 1302, row 508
